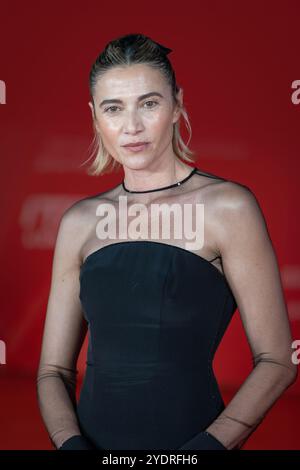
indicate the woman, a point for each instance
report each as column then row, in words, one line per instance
column 155, row 303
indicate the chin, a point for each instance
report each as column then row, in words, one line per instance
column 137, row 162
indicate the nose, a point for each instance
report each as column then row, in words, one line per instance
column 132, row 122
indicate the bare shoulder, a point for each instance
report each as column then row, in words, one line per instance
column 77, row 214
column 82, row 212
column 69, row 235
column 219, row 192
column 233, row 197
column 237, row 213
column 78, row 222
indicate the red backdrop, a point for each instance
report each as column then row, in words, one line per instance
column 238, row 65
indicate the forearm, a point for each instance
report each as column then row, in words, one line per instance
column 248, row 407
column 57, row 403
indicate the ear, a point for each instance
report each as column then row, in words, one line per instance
column 177, row 109
column 93, row 114
column 92, row 108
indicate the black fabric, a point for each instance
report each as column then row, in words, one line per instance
column 149, row 380
column 203, row 441
column 77, row 443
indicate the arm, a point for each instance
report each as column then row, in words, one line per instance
column 64, row 332
column 250, row 266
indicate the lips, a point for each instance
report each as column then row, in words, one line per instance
column 135, row 144
column 137, row 147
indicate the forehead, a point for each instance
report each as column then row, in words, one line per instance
column 129, row 80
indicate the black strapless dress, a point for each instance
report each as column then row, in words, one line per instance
column 156, row 314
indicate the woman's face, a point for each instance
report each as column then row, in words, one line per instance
column 122, row 114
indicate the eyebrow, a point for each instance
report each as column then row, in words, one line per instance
column 140, row 98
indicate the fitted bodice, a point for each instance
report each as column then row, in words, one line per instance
column 156, row 314
column 159, row 289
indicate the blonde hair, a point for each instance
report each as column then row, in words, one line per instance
column 127, row 50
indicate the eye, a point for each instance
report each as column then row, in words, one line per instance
column 155, row 102
column 111, row 107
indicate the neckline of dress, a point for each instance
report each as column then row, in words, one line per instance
column 179, row 183
column 157, row 243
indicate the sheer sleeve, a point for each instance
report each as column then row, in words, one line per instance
column 64, row 332
column 250, row 265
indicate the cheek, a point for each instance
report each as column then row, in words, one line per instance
column 109, row 127
column 109, row 132
column 159, row 123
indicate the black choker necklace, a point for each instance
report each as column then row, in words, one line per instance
column 179, row 183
